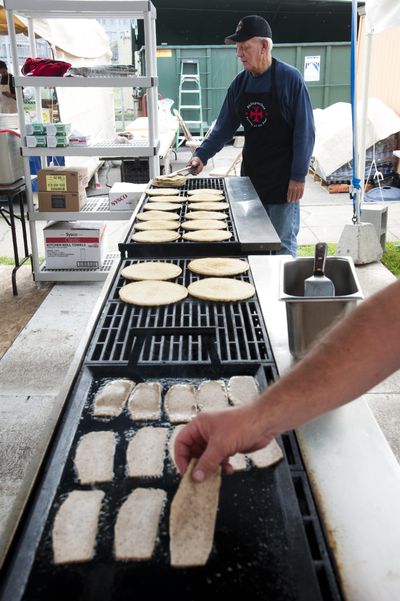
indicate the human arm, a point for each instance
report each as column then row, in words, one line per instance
column 360, row 351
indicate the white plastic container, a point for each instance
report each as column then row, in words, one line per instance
column 11, row 165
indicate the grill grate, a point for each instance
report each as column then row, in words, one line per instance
column 192, row 331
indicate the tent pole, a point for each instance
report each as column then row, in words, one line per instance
column 364, row 119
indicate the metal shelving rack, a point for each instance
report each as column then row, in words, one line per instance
column 76, row 9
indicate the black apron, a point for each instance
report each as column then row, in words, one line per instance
column 268, row 146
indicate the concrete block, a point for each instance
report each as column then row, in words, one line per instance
column 360, row 242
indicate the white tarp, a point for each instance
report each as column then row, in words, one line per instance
column 382, row 15
column 333, row 139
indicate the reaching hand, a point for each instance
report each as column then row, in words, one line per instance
column 196, row 165
column 295, row 191
column 214, row 436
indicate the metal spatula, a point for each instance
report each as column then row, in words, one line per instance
column 318, row 284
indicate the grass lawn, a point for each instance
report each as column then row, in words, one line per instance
column 390, row 258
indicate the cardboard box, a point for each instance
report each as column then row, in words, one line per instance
column 55, row 129
column 124, row 196
column 35, row 128
column 74, row 245
column 62, row 179
column 36, row 141
column 57, row 141
column 61, row 201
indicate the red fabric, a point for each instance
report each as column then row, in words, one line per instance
column 44, row 67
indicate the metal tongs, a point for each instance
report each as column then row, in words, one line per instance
column 179, row 171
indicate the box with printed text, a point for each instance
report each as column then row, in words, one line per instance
column 62, row 179
column 124, row 196
column 74, row 245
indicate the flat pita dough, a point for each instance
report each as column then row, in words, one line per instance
column 180, row 403
column 145, row 401
column 192, row 519
column 171, row 444
column 208, row 206
column 205, row 191
column 157, row 225
column 156, row 236
column 160, row 206
column 204, row 224
column 162, row 192
column 157, row 215
column 110, row 399
column 94, row 458
column 152, row 293
column 242, row 390
column 151, row 270
column 218, row 266
column 75, row 526
column 146, row 452
column 206, row 215
column 211, row 394
column 267, row 456
column 168, row 199
column 137, row 524
column 206, row 198
column 221, row 289
column 207, row 236
column 238, row 462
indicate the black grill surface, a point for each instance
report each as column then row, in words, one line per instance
column 191, row 332
column 267, row 545
column 182, row 247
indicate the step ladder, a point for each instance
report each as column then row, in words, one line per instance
column 190, row 106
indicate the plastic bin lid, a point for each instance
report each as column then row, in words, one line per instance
column 388, row 193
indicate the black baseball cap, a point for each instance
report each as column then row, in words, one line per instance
column 250, row 27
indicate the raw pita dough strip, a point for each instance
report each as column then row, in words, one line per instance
column 242, row 390
column 94, row 458
column 75, row 526
column 137, row 524
column 238, row 462
column 180, row 403
column 267, row 456
column 145, row 401
column 192, row 519
column 211, row 394
column 146, row 452
column 110, row 400
column 171, row 444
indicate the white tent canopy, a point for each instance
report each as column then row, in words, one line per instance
column 382, row 15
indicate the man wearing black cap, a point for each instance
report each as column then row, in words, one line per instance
column 270, row 100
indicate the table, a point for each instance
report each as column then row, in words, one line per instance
column 11, row 192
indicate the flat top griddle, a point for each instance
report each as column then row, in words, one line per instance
column 247, row 220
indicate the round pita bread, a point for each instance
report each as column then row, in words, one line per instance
column 157, row 225
column 204, row 224
column 205, row 191
column 168, row 199
column 207, row 236
column 218, row 266
column 151, row 270
column 208, row 206
column 206, row 197
column 157, row 215
column 152, row 293
column 156, row 236
column 162, row 191
column 221, row 289
column 160, row 206
column 205, row 215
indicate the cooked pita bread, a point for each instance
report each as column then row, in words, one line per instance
column 192, row 519
column 218, row 266
column 207, row 236
column 206, row 215
column 205, row 191
column 162, row 191
column 206, row 197
column 151, row 270
column 156, row 236
column 152, row 293
column 157, row 225
column 168, row 198
column 204, row 224
column 157, row 215
column 208, row 206
column 167, row 181
column 221, row 289
column 160, row 206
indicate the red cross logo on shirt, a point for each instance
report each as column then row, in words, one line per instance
column 256, row 114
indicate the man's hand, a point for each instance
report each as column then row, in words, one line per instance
column 295, row 191
column 196, row 165
column 214, row 436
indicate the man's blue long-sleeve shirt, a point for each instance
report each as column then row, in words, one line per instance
column 295, row 107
